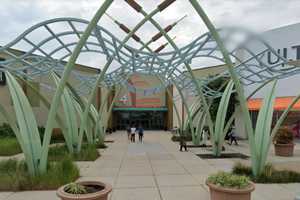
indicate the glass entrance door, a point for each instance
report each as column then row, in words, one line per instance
column 150, row 120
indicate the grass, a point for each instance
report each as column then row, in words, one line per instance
column 88, row 153
column 9, row 146
column 269, row 175
column 15, row 177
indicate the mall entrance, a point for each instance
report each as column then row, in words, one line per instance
column 149, row 119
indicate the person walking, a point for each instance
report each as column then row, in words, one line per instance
column 128, row 129
column 132, row 133
column 182, row 144
column 141, row 133
column 232, row 137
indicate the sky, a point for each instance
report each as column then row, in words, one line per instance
column 258, row 15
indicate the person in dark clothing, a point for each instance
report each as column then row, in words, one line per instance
column 232, row 137
column 182, row 144
column 128, row 132
column 141, row 133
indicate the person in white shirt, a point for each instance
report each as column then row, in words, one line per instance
column 132, row 133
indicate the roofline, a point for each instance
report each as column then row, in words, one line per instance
column 76, row 64
column 204, row 68
column 280, row 27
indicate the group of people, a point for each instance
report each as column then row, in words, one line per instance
column 133, row 130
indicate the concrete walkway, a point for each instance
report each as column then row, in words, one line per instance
column 155, row 170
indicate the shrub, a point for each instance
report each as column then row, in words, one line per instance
column 75, row 188
column 6, row 131
column 284, row 136
column 87, row 153
column 229, row 180
column 269, row 174
column 56, row 137
column 9, row 146
column 177, row 138
column 14, row 175
column 101, row 145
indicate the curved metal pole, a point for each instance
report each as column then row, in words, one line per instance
column 108, row 113
column 230, row 120
column 238, row 86
column 210, row 123
column 174, row 105
column 100, row 78
column 193, row 110
column 187, row 110
column 61, row 86
column 145, row 45
column 99, row 123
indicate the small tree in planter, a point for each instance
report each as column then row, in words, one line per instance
column 85, row 190
column 284, row 142
column 224, row 186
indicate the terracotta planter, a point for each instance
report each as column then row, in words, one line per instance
column 99, row 195
column 220, row 193
column 286, row 150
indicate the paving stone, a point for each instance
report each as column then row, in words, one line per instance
column 176, row 180
column 135, row 181
column 5, row 195
column 136, row 194
column 180, row 193
column 34, row 195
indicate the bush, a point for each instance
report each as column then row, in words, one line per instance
column 229, row 180
column 100, row 145
column 269, row 175
column 176, row 138
column 56, row 137
column 6, row 131
column 75, row 188
column 9, row 146
column 283, row 136
column 14, row 175
column 88, row 153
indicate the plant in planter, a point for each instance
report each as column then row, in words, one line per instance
column 284, row 142
column 224, row 186
column 87, row 190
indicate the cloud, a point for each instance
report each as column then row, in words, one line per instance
column 18, row 15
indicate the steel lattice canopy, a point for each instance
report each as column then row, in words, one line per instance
column 169, row 66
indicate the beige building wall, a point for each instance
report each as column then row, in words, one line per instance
column 40, row 111
column 199, row 73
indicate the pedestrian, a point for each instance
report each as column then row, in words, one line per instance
column 141, row 133
column 132, row 133
column 182, row 144
column 232, row 137
column 128, row 129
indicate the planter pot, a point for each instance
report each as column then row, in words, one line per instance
column 221, row 193
column 286, row 150
column 100, row 194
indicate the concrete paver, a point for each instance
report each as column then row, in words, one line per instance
column 156, row 170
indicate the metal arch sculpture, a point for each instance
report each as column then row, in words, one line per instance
column 169, row 64
column 38, row 60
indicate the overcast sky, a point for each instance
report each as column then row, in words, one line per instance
column 260, row 15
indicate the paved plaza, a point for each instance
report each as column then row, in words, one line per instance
column 156, row 170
